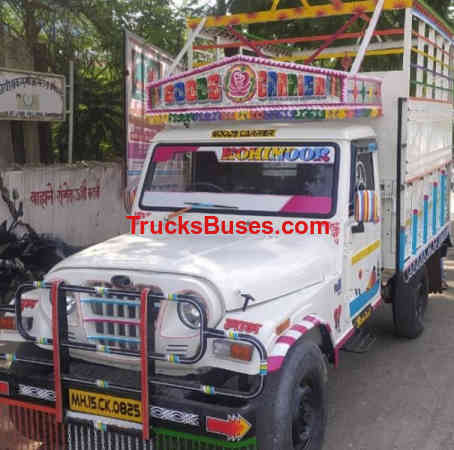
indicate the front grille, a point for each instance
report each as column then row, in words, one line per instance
column 177, row 349
column 82, row 437
column 113, row 321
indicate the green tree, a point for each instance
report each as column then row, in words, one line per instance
column 327, row 25
column 89, row 32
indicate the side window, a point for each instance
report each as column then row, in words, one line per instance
column 362, row 169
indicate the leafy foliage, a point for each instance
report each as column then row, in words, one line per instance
column 90, row 33
column 324, row 26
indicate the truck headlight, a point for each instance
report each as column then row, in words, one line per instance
column 71, row 301
column 188, row 313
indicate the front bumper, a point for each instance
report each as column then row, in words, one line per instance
column 96, row 399
column 175, row 416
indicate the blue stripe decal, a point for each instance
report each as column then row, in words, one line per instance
column 434, row 209
column 415, row 232
column 442, row 200
column 107, row 301
column 426, row 219
column 403, row 243
column 358, row 303
column 114, row 339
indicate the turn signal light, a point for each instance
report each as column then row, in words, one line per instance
column 7, row 323
column 282, row 327
column 241, row 352
column 232, row 350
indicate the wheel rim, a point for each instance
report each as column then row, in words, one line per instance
column 304, row 416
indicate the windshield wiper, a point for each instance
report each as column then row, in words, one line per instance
column 196, row 205
column 209, row 205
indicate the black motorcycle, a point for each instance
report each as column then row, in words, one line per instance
column 27, row 256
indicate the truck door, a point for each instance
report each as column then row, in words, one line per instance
column 364, row 252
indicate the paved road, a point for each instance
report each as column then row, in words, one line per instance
column 400, row 395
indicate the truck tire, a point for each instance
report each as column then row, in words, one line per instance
column 292, row 415
column 410, row 304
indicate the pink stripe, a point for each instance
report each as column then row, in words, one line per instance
column 166, row 153
column 301, row 328
column 286, row 340
column 275, row 363
column 308, row 204
column 121, row 322
column 312, row 319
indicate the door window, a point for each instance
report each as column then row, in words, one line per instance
column 362, row 169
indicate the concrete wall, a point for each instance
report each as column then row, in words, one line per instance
column 80, row 204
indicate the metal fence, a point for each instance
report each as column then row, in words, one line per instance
column 26, row 429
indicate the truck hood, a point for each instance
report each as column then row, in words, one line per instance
column 264, row 267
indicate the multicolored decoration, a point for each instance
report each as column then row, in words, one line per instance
column 247, row 88
column 240, row 83
column 102, row 383
column 337, row 318
column 416, row 263
column 373, row 278
column 307, row 11
column 208, row 390
column 304, row 155
column 242, row 326
column 248, row 133
column 286, row 341
column 173, row 358
column 171, row 415
column 366, row 207
column 234, row 428
column 334, row 230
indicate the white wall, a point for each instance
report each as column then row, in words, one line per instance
column 81, row 205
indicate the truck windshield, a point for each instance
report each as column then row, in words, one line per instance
column 281, row 180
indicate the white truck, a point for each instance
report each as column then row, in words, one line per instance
column 330, row 194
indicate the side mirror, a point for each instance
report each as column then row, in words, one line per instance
column 366, row 207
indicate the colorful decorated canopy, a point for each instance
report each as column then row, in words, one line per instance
column 249, row 88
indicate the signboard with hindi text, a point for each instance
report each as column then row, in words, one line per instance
column 31, row 96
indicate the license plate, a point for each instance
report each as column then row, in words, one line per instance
column 105, row 405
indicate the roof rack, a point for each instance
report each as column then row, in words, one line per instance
column 271, row 86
